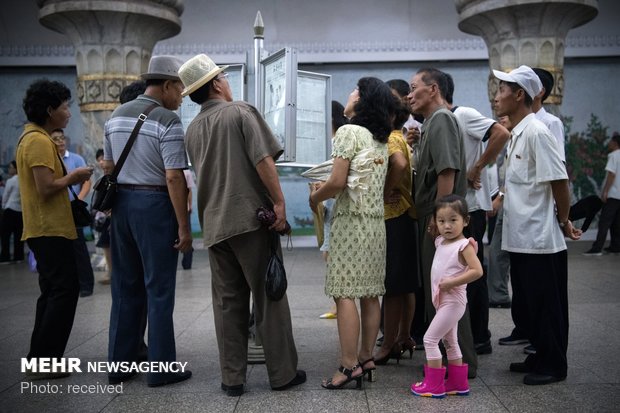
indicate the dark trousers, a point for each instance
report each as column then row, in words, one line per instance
column 144, row 263
column 12, row 224
column 609, row 221
column 82, row 260
column 477, row 291
column 58, row 281
column 541, row 281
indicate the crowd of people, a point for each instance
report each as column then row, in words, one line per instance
column 412, row 233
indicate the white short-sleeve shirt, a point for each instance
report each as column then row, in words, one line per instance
column 556, row 127
column 475, row 127
column 613, row 166
column 533, row 161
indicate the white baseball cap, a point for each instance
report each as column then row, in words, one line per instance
column 525, row 77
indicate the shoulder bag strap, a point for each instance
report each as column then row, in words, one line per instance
column 132, row 139
column 64, row 172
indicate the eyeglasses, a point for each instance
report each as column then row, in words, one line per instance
column 60, row 138
column 222, row 75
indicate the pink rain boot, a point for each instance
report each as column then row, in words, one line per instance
column 456, row 384
column 433, row 384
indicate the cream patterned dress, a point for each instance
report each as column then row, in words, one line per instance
column 356, row 263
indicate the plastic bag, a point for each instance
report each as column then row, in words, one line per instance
column 32, row 262
column 275, row 278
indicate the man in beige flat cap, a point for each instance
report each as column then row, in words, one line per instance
column 149, row 223
column 233, row 152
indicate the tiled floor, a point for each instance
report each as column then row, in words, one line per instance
column 593, row 383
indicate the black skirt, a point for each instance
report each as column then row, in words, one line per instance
column 402, row 264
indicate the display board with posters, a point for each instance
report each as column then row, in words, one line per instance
column 314, row 127
column 236, row 78
column 279, row 98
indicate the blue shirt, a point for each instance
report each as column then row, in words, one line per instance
column 73, row 161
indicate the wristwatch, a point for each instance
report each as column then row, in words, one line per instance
column 563, row 224
column 500, row 194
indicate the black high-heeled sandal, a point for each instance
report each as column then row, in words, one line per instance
column 395, row 353
column 371, row 372
column 349, row 374
column 408, row 345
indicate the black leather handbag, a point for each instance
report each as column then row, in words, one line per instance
column 79, row 208
column 104, row 191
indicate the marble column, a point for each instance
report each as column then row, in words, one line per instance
column 113, row 43
column 529, row 32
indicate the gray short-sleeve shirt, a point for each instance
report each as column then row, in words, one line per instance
column 441, row 148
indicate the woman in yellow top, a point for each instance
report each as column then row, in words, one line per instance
column 49, row 229
column 401, row 274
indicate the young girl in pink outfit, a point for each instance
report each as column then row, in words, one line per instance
column 454, row 266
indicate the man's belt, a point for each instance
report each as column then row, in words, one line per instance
column 132, row 187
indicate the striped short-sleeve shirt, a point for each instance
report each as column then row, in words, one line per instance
column 159, row 145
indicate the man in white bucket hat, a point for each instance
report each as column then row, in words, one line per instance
column 233, row 152
column 149, row 224
column 534, row 228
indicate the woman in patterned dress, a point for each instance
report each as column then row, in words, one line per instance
column 356, row 263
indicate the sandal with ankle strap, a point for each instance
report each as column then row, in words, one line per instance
column 349, row 375
column 371, row 372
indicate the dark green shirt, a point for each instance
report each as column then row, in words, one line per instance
column 441, row 147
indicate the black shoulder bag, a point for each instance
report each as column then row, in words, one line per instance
column 104, row 191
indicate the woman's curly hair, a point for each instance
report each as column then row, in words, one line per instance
column 375, row 108
column 41, row 95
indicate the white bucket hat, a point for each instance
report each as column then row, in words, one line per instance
column 163, row 67
column 525, row 77
column 197, row 71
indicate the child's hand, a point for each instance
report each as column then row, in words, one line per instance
column 445, row 286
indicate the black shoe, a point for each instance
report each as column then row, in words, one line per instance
column 529, row 349
column 522, row 367
column 507, row 304
column 608, row 250
column 535, row 379
column 299, row 378
column 593, row 252
column 233, row 391
column 86, row 293
column 172, row 378
column 483, row 348
column 512, row 341
column 121, row 378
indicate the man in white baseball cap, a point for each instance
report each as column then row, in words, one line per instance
column 523, row 76
column 536, row 207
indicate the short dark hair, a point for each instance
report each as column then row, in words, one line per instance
column 132, row 91
column 41, row 95
column 201, row 94
column 400, row 86
column 449, row 92
column 546, row 78
column 14, row 163
column 616, row 138
column 338, row 118
column 514, row 87
column 432, row 75
column 456, row 202
column 98, row 153
column 154, row 82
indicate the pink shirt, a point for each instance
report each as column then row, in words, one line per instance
column 446, row 264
